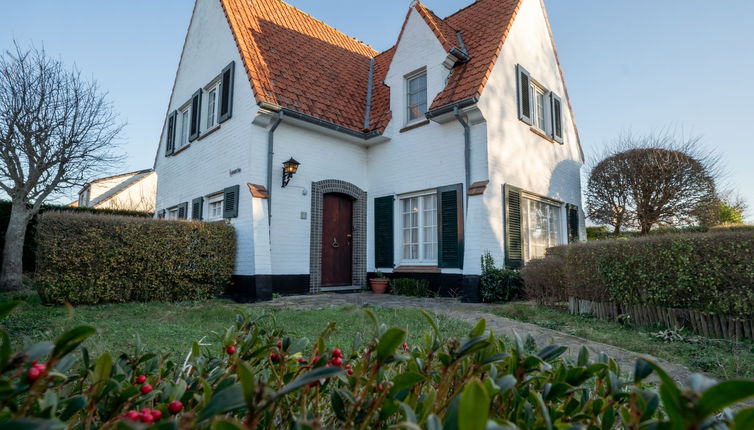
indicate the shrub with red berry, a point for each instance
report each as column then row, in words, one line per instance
column 476, row 382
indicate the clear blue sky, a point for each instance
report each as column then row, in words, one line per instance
column 630, row 65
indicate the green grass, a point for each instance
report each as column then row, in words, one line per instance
column 724, row 359
column 172, row 327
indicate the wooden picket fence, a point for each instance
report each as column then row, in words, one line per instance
column 710, row 325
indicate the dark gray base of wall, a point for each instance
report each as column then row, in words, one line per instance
column 445, row 284
column 260, row 288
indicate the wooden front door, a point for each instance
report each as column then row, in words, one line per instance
column 337, row 231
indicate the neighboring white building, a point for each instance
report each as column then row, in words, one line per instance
column 134, row 191
column 415, row 161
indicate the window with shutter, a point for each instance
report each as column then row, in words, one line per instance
column 524, row 95
column 512, row 217
column 196, row 115
column 573, row 223
column 230, row 199
column 450, row 226
column 383, row 232
column 556, row 110
column 183, row 210
column 197, row 206
column 170, row 144
column 226, row 93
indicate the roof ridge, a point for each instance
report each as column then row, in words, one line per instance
column 374, row 51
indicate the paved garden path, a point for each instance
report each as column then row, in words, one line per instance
column 471, row 313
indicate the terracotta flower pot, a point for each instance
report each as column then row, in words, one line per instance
column 379, row 286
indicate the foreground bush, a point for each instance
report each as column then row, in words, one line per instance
column 708, row 272
column 88, row 259
column 254, row 377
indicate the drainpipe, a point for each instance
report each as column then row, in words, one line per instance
column 466, row 152
column 270, row 144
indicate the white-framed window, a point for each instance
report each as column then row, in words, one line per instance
column 172, row 213
column 419, row 228
column 540, row 110
column 541, row 226
column 215, row 207
column 416, row 96
column 184, row 122
column 211, row 108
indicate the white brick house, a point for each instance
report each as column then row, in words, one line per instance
column 415, row 161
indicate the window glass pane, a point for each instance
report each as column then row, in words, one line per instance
column 541, row 227
column 410, row 214
column 540, row 109
column 211, row 102
column 184, row 127
column 417, row 96
column 429, row 205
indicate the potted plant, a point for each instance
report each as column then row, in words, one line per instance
column 379, row 283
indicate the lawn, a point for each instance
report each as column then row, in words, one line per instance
column 722, row 358
column 172, row 327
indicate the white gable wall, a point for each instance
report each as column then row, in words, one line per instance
column 139, row 196
column 204, row 166
column 517, row 155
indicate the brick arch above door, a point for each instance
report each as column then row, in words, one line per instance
column 359, row 248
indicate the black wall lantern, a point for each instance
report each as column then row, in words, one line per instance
column 289, row 169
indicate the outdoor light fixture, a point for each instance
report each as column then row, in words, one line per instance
column 289, row 169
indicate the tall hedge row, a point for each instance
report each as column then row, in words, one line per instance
column 89, row 259
column 30, row 242
column 708, row 272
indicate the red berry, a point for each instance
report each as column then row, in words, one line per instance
column 280, row 344
column 302, row 360
column 405, row 347
column 337, row 353
column 350, row 371
column 230, row 350
column 274, row 357
column 337, row 361
column 157, row 414
column 175, row 406
column 315, row 359
column 141, row 379
column 348, row 366
column 34, row 362
column 33, row 374
column 146, row 417
column 146, row 389
column 133, row 416
column 40, row 366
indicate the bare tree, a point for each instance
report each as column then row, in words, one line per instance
column 56, row 130
column 659, row 178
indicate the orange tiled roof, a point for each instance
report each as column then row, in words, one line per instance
column 301, row 63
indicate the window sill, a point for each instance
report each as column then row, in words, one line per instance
column 208, row 132
column 413, row 125
column 416, row 269
column 181, row 149
column 542, row 134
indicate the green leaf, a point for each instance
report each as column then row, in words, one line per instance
column 222, row 402
column 7, row 307
column 479, row 328
column 38, row 350
column 722, row 395
column 246, row 377
column 389, row 341
column 432, row 322
column 405, row 381
column 433, row 422
column 474, row 407
column 551, row 352
column 540, row 403
column 311, row 376
column 72, row 405
column 5, row 348
column 744, row 420
column 583, row 359
column 69, row 340
column 227, row 425
column 642, row 369
column 102, row 370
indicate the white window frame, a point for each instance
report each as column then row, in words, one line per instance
column 211, row 200
column 183, row 129
column 538, row 116
column 211, row 108
column 554, row 207
column 172, row 213
column 421, row 225
column 407, row 94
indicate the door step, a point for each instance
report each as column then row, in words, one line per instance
column 342, row 289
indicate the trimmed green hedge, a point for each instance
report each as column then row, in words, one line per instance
column 708, row 272
column 88, row 259
column 30, row 243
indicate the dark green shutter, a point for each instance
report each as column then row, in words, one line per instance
column 196, row 115
column 182, row 210
column 514, row 253
column 383, row 232
column 556, row 109
column 226, row 93
column 450, row 226
column 170, row 143
column 161, row 214
column 573, row 222
column 523, row 83
column 197, row 205
column 230, row 202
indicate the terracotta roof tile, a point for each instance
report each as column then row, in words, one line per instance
column 301, row 63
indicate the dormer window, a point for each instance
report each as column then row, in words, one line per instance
column 416, row 96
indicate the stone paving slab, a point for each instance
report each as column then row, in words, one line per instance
column 471, row 313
